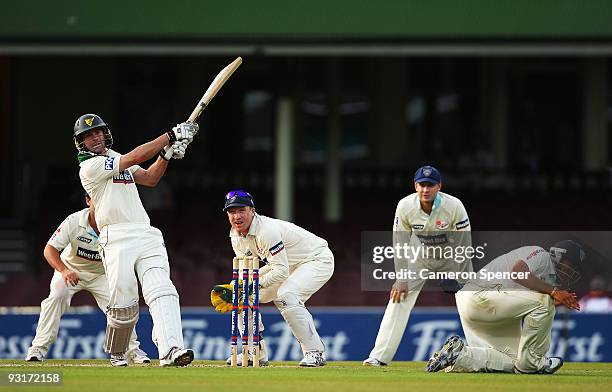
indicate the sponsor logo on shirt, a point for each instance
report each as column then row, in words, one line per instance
column 463, row 224
column 433, row 239
column 87, row 254
column 440, row 224
column 84, row 239
column 277, row 248
column 59, row 229
column 108, row 163
column 418, row 227
column 125, row 177
column 534, row 253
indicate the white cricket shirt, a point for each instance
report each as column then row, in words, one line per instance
column 278, row 243
column 78, row 243
column 113, row 193
column 537, row 259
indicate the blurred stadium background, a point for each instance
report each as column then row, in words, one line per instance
column 336, row 104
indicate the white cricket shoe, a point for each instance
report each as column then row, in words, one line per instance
column 373, row 362
column 263, row 356
column 446, row 356
column 35, row 354
column 119, row 360
column 313, row 359
column 138, row 356
column 552, row 365
column 177, row 357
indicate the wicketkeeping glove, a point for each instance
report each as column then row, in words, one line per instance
column 221, row 297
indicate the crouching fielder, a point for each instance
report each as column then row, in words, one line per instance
column 508, row 323
column 296, row 262
column 78, row 267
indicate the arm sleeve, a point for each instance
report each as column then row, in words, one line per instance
column 135, row 168
column 278, row 263
column 462, row 233
column 538, row 262
column 100, row 168
column 61, row 237
column 461, row 221
column 402, row 231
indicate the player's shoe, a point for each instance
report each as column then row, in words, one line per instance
column 313, row 359
column 446, row 356
column 552, row 365
column 119, row 360
column 138, row 356
column 263, row 356
column 177, row 357
column 35, row 354
column 373, row 362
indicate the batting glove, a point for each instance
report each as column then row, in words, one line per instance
column 175, row 151
column 183, row 131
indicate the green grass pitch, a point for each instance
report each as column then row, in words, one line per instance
column 98, row 375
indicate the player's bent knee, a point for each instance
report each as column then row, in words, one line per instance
column 120, row 324
column 287, row 301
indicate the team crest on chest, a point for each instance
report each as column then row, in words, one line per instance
column 441, row 225
column 125, row 177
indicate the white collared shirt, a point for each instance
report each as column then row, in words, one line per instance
column 113, row 193
column 421, row 229
column 447, row 214
column 537, row 259
column 78, row 243
column 279, row 244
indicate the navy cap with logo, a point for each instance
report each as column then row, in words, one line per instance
column 238, row 198
column 427, row 174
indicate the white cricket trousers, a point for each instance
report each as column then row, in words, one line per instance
column 290, row 297
column 395, row 319
column 504, row 330
column 58, row 301
column 136, row 252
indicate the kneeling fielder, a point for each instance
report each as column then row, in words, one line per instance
column 78, row 267
column 296, row 262
column 508, row 323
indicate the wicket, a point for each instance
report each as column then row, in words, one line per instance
column 248, row 263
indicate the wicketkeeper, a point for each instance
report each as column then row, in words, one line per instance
column 296, row 263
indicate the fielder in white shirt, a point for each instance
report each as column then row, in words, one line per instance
column 508, row 320
column 426, row 215
column 78, row 267
column 297, row 264
column 131, row 249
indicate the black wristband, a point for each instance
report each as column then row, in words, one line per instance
column 171, row 136
column 162, row 154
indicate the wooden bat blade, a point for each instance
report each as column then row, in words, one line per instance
column 214, row 88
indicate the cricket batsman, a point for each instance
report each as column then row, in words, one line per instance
column 508, row 322
column 421, row 217
column 297, row 264
column 131, row 249
column 78, row 267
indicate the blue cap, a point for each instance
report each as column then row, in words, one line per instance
column 427, row 174
column 238, row 198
